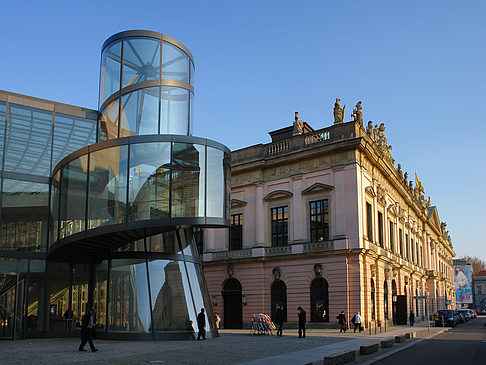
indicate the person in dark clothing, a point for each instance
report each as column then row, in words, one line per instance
column 279, row 319
column 88, row 323
column 201, row 324
column 342, row 322
column 412, row 318
column 302, row 320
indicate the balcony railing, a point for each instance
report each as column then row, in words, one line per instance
column 323, row 136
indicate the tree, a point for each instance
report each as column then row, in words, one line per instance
column 477, row 264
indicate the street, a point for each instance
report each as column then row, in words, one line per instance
column 464, row 344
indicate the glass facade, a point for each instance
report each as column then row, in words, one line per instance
column 109, row 190
column 146, row 84
column 165, row 180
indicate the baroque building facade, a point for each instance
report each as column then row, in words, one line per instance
column 322, row 219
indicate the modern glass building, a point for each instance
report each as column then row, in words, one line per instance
column 98, row 207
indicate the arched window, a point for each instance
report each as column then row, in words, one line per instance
column 279, row 298
column 385, row 299
column 372, row 300
column 233, row 310
column 319, row 291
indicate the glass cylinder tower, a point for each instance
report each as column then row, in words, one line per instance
column 127, row 205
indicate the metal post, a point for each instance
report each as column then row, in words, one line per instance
column 428, row 313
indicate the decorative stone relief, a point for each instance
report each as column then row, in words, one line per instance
column 387, row 273
column 394, row 272
column 230, row 270
column 373, row 270
column 277, row 273
column 318, row 270
column 381, row 194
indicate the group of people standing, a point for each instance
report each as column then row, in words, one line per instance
column 356, row 321
column 280, row 319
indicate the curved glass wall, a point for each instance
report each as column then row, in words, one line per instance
column 175, row 178
column 152, row 295
column 145, row 85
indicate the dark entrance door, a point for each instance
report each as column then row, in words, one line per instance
column 319, row 300
column 279, row 297
column 233, row 311
column 401, row 310
column 394, row 301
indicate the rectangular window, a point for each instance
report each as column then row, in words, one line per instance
column 392, row 237
column 369, row 222
column 380, row 229
column 407, row 242
column 280, row 222
column 400, row 237
column 319, row 221
column 413, row 251
column 236, row 232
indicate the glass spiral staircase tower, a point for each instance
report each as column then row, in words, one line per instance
column 126, row 205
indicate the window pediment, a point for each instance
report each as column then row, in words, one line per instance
column 370, row 191
column 392, row 210
column 317, row 188
column 277, row 194
column 236, row 203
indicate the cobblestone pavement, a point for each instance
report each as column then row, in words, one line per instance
column 232, row 347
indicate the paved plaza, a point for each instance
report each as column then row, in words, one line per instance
column 232, row 347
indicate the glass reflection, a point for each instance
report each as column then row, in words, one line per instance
column 79, row 294
column 170, row 302
column 100, row 293
column 110, row 71
column 54, row 207
column 165, row 242
column 149, row 181
column 141, row 60
column 140, row 112
column 200, row 300
column 108, row 127
column 187, row 288
column 35, row 301
column 28, row 140
column 107, row 186
column 70, row 134
column 24, row 216
column 216, row 183
column 174, row 111
column 129, row 307
column 188, row 180
column 135, row 246
column 72, row 212
column 175, row 63
column 59, row 276
column 2, row 128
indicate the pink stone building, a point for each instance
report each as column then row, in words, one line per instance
column 324, row 220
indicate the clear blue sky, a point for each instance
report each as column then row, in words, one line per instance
column 417, row 66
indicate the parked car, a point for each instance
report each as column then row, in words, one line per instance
column 470, row 313
column 447, row 316
column 463, row 314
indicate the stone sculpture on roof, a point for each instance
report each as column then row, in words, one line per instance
column 357, row 115
column 338, row 112
column 298, row 125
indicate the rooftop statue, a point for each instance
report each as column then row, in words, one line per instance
column 357, row 115
column 405, row 178
column 399, row 172
column 298, row 125
column 369, row 129
column 338, row 112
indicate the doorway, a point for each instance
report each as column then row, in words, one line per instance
column 401, row 310
column 233, row 310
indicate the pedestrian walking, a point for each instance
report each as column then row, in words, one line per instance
column 357, row 322
column 279, row 319
column 201, row 325
column 88, row 323
column 302, row 320
column 412, row 318
column 342, row 322
column 217, row 319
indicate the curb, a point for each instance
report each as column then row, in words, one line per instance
column 389, row 353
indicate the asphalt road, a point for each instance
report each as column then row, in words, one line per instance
column 464, row 344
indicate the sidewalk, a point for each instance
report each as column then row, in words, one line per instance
column 232, row 347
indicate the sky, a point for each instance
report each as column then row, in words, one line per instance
column 417, row 66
